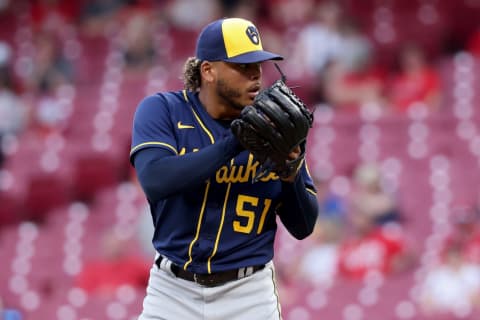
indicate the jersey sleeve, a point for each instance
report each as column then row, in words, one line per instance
column 152, row 126
column 299, row 208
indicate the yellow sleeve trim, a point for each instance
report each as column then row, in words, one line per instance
column 311, row 191
column 153, row 143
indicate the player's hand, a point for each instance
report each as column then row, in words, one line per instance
column 292, row 156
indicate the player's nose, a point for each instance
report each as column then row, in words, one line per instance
column 254, row 71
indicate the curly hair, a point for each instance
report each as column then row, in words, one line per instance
column 191, row 74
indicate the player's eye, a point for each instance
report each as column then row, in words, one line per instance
column 249, row 66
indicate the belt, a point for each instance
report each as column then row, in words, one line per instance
column 212, row 279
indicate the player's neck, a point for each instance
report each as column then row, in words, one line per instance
column 216, row 108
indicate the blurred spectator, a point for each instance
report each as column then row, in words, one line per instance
column 288, row 16
column 9, row 313
column 5, row 5
column 369, row 197
column 333, row 210
column 115, row 267
column 331, row 49
column 51, row 68
column 53, row 14
column 51, row 71
column 466, row 233
column 245, row 9
column 315, row 262
column 192, row 15
column 13, row 113
column 349, row 89
column 452, row 287
column 318, row 41
column 369, row 247
column 138, row 42
column 98, row 16
column 309, row 37
column 415, row 82
column 355, row 49
column 7, row 79
column 318, row 265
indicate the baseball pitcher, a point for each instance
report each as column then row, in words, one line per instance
column 218, row 162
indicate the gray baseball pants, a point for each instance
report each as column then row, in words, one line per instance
column 251, row 298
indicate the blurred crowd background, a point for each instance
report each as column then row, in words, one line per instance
column 394, row 151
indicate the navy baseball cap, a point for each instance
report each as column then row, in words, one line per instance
column 232, row 40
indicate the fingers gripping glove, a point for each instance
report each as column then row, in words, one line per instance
column 272, row 127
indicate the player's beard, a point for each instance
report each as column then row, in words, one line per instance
column 231, row 96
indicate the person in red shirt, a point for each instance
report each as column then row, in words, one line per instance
column 415, row 82
column 372, row 248
column 465, row 233
column 349, row 89
column 54, row 14
column 115, row 267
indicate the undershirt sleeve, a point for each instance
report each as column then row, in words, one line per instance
column 299, row 210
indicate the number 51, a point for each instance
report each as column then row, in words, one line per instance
column 242, row 211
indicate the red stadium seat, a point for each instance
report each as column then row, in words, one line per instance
column 93, row 172
column 44, row 192
column 9, row 212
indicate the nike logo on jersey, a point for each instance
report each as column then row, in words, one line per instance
column 184, row 126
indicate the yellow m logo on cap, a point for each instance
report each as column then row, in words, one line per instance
column 240, row 36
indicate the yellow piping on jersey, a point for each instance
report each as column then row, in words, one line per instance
column 212, row 140
column 200, row 218
column 306, row 168
column 199, row 223
column 220, row 228
column 312, row 191
column 153, row 143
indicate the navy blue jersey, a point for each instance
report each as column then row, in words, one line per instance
column 215, row 224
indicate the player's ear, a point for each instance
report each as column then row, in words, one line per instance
column 208, row 71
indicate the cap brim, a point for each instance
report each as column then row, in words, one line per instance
column 254, row 57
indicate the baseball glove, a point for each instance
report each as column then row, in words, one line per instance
column 272, row 127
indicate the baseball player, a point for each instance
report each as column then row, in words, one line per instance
column 214, row 224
